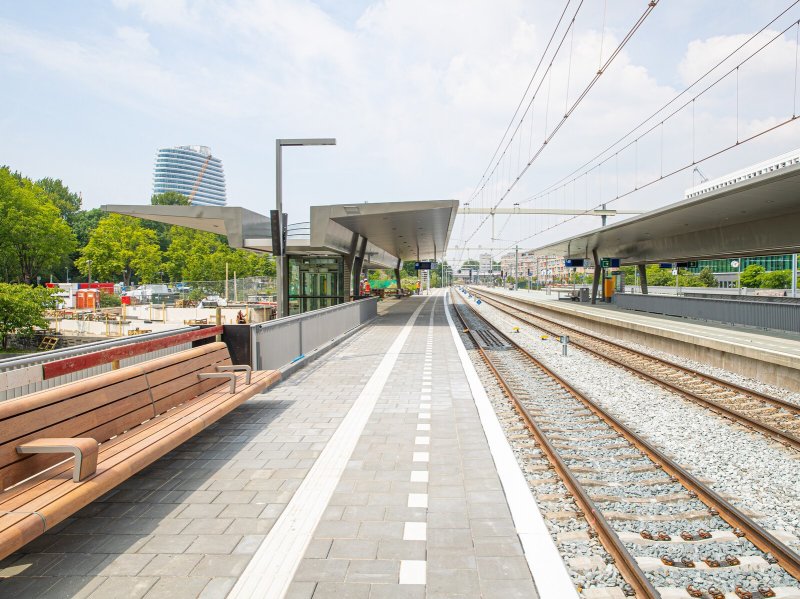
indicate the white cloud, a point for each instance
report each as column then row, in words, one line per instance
column 416, row 92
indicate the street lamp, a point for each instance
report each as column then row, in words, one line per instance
column 89, row 266
column 282, row 262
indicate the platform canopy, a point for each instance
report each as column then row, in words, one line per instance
column 754, row 217
column 392, row 231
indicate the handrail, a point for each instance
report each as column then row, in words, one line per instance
column 67, row 352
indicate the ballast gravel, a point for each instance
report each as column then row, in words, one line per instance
column 750, row 470
column 678, row 428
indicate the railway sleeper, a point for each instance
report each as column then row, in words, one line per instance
column 747, row 563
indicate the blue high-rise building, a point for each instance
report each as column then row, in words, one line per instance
column 192, row 171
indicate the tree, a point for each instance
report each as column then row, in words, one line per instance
column 200, row 256
column 751, row 276
column 22, row 308
column 83, row 222
column 706, row 277
column 162, row 230
column 659, row 276
column 630, row 274
column 34, row 238
column 169, row 198
column 776, row 279
column 59, row 194
column 121, row 246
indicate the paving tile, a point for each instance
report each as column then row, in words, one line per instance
column 171, row 565
column 401, row 549
column 503, row 568
column 218, row 588
column 342, row 590
column 353, row 549
column 452, row 583
column 208, row 544
column 396, row 591
column 72, row 564
column 220, row 565
column 330, row 570
column 167, row 544
column 383, row 570
column 125, row 564
column 177, row 587
column 123, row 587
column 508, row 589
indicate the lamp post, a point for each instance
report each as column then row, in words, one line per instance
column 89, row 266
column 282, row 262
column 738, row 266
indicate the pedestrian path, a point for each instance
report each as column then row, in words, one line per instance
column 365, row 474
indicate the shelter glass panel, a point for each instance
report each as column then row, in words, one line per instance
column 315, row 283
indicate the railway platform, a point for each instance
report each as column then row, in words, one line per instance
column 379, row 470
column 768, row 356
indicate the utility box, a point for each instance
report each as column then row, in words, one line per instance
column 608, row 288
column 583, row 295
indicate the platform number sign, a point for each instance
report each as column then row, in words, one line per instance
column 609, row 262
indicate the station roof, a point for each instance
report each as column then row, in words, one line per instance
column 755, row 217
column 394, row 230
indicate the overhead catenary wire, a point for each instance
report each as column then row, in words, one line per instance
column 575, row 173
column 549, row 136
column 524, row 95
column 694, row 160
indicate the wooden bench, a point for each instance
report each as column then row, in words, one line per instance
column 112, row 425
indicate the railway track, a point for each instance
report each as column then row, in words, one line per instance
column 667, row 533
column 778, row 419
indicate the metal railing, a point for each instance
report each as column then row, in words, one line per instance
column 23, row 375
column 762, row 315
column 277, row 343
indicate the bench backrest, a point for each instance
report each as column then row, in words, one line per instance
column 102, row 406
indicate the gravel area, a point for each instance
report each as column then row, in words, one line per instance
column 725, row 375
column 752, row 472
column 530, row 457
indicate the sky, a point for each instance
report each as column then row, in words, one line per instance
column 417, row 93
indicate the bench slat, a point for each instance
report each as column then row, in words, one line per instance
column 138, row 413
column 130, row 454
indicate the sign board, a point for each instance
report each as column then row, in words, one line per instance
column 690, row 264
column 735, row 264
column 665, row 265
column 573, row 262
column 674, row 272
column 609, row 262
column 423, row 265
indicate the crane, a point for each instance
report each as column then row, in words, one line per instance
column 199, row 178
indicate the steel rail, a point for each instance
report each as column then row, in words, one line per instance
column 627, row 566
column 733, row 386
column 787, row 558
column 781, row 436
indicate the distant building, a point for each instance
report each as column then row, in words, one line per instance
column 192, row 171
column 485, row 263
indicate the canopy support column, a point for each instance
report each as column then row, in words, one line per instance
column 642, row 277
column 597, row 275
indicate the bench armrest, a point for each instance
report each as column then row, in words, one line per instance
column 220, row 375
column 83, row 448
column 238, row 367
